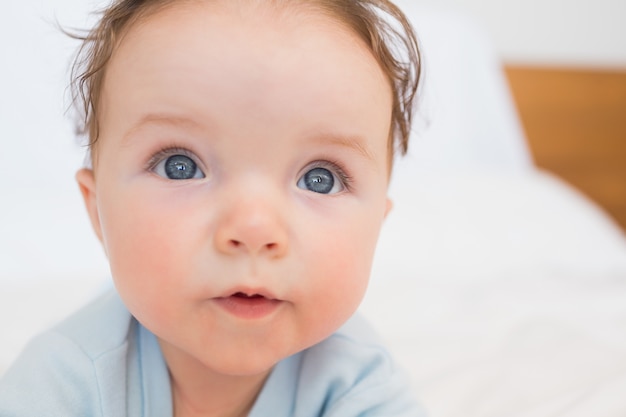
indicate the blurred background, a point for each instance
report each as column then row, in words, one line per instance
column 565, row 61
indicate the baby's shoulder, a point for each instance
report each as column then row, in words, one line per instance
column 60, row 371
column 100, row 327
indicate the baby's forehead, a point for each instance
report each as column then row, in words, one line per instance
column 188, row 55
column 266, row 13
column 245, row 30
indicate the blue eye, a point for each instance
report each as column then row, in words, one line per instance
column 178, row 167
column 320, row 180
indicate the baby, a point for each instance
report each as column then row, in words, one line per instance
column 240, row 155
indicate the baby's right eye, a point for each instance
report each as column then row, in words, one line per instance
column 177, row 167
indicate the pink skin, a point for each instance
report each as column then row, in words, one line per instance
column 241, row 266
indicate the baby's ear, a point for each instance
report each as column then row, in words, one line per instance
column 87, row 183
column 389, row 206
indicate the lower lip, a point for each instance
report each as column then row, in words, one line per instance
column 252, row 308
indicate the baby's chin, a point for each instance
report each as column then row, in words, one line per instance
column 244, row 365
column 235, row 358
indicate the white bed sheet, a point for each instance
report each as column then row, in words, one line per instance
column 514, row 302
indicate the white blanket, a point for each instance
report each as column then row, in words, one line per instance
column 504, row 296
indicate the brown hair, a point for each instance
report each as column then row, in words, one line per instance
column 379, row 23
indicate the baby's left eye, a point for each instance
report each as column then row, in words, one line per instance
column 320, row 180
column 178, row 167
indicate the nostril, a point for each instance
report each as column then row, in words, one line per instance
column 231, row 245
column 269, row 246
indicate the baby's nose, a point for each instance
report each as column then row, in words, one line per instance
column 252, row 227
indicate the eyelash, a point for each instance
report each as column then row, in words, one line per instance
column 166, row 152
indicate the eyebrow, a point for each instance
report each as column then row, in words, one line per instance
column 353, row 143
column 158, row 119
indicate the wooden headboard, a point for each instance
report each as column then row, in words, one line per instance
column 575, row 122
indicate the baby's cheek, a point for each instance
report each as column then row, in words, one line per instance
column 132, row 242
column 340, row 278
column 141, row 255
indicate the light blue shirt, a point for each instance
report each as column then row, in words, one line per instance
column 102, row 363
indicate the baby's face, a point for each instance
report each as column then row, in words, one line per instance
column 241, row 180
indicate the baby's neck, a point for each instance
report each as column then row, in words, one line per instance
column 199, row 392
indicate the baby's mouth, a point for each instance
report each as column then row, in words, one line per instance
column 248, row 306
